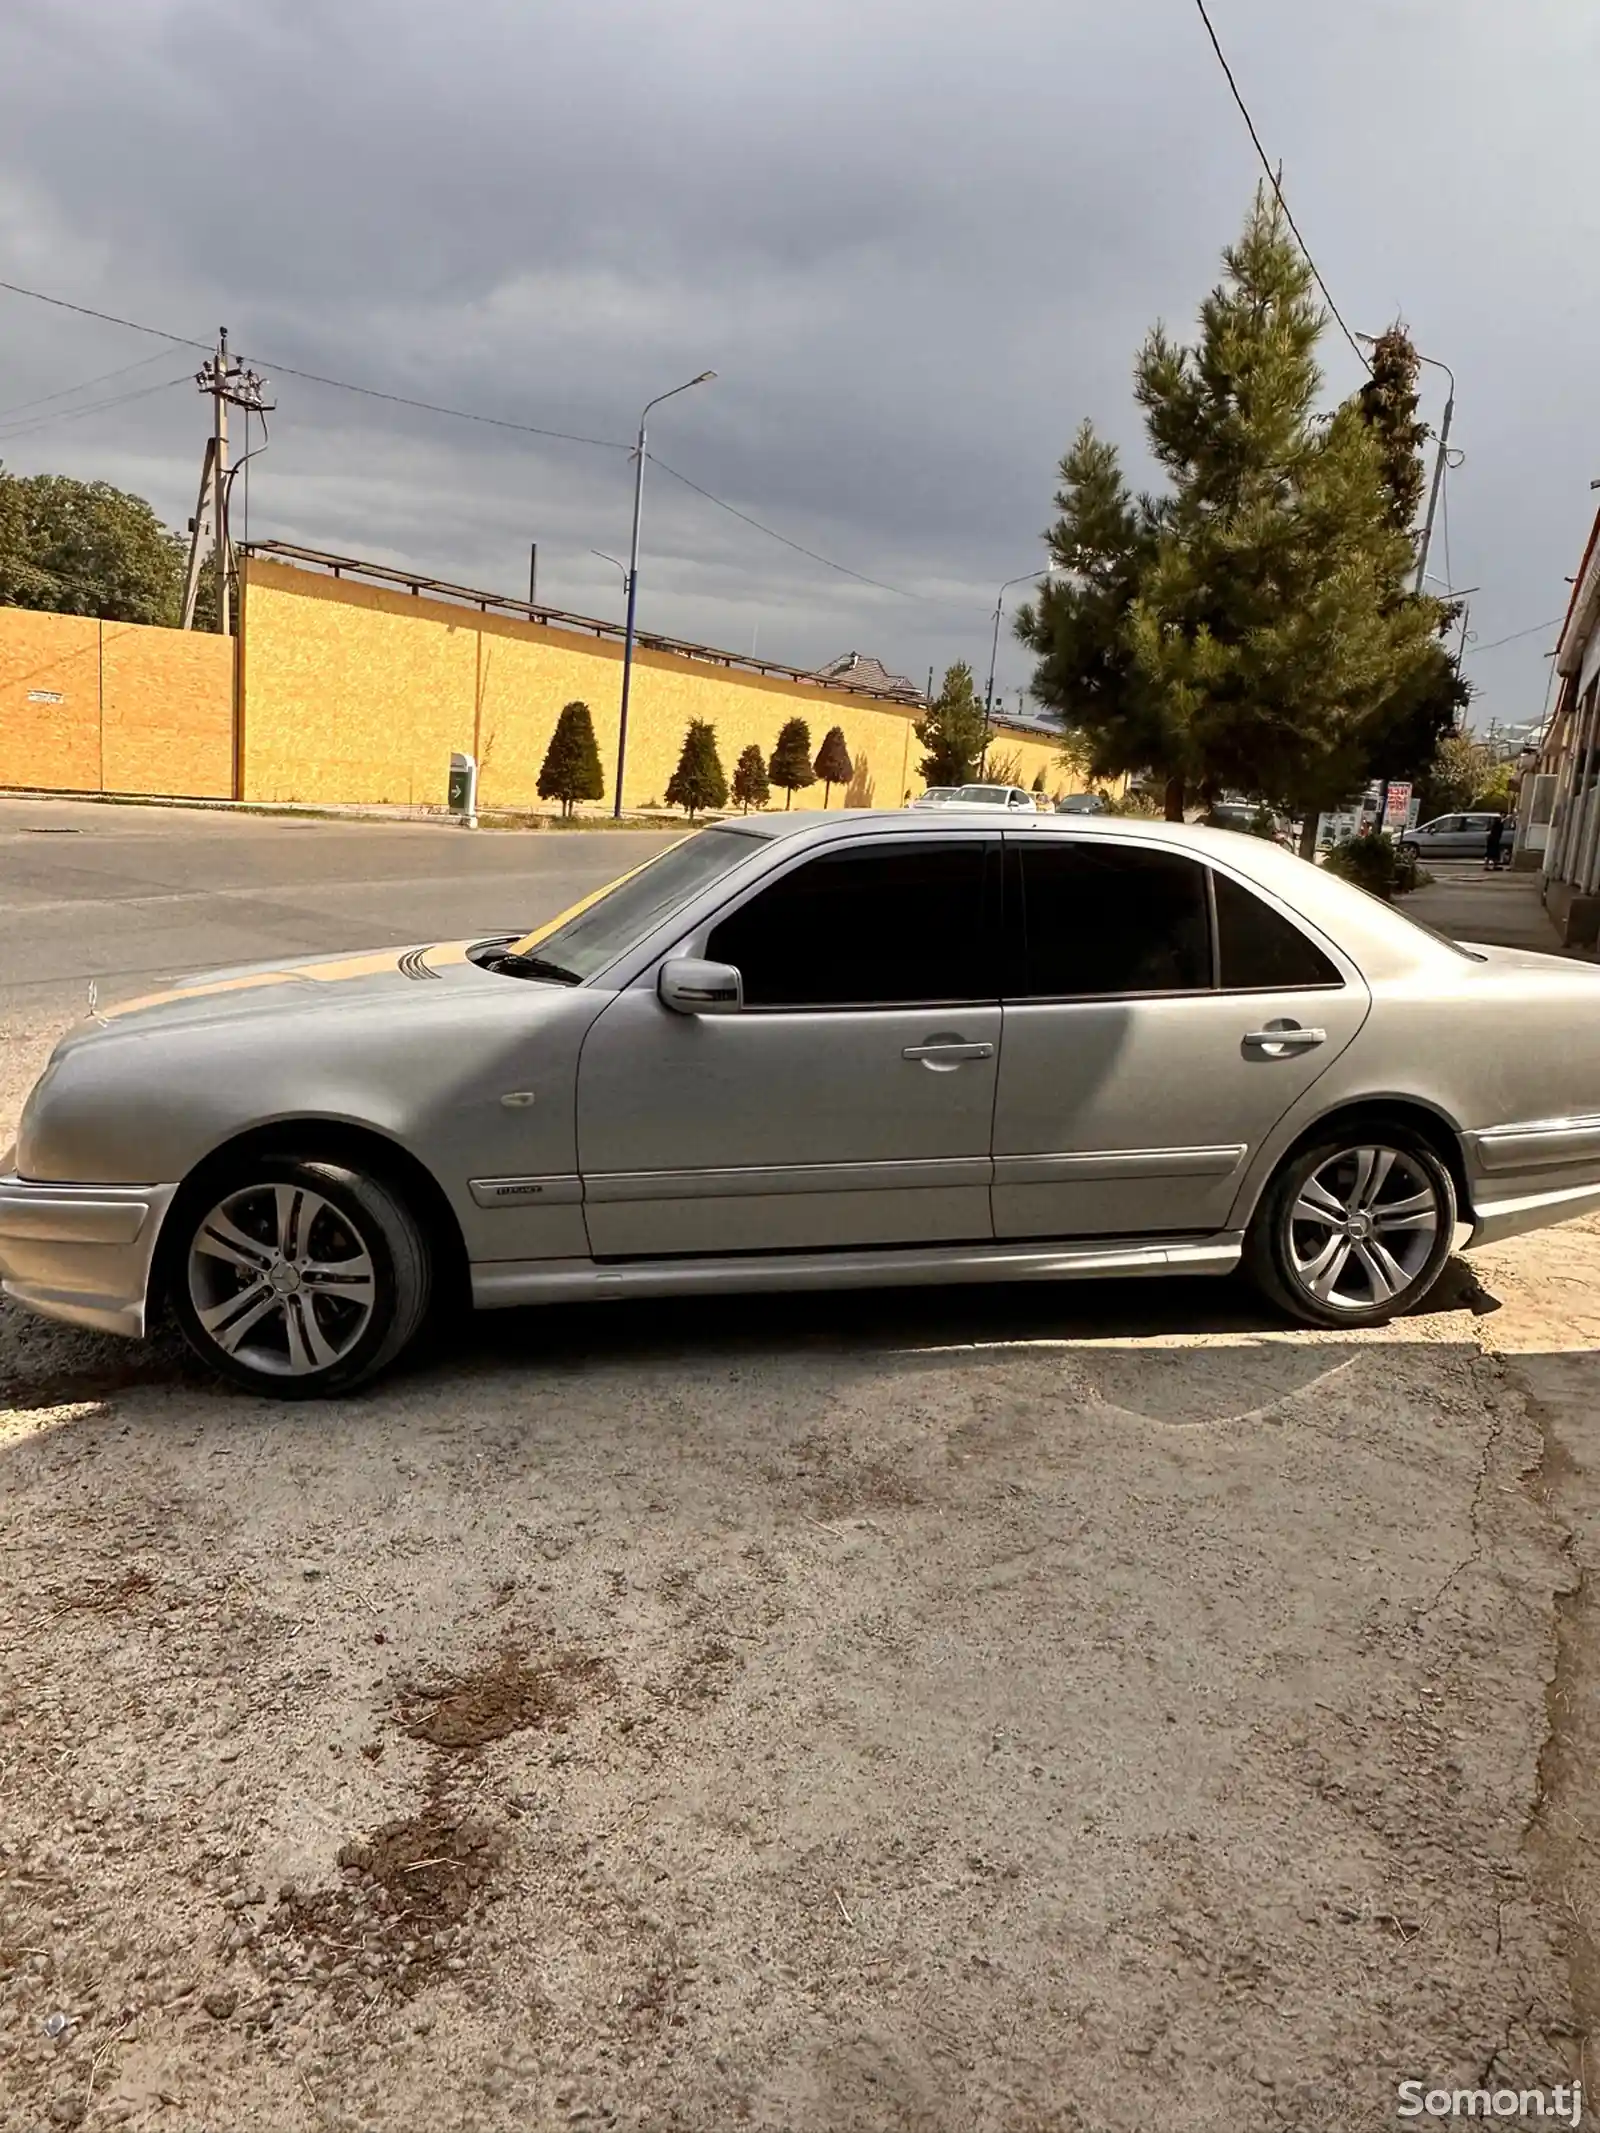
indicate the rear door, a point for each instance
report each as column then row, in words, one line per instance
column 849, row 1103
column 1158, row 1024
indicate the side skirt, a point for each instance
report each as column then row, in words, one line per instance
column 497, row 1284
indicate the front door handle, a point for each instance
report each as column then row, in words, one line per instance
column 1277, row 1041
column 945, row 1051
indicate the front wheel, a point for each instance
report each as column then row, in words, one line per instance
column 1356, row 1229
column 296, row 1278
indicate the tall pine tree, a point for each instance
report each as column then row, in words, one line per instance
column 1241, row 630
column 1101, row 546
column 1388, row 403
column 953, row 730
column 1411, row 723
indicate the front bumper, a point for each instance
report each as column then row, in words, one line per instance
column 82, row 1253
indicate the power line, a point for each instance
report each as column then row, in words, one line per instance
column 106, row 317
column 68, row 392
column 1495, row 642
column 432, row 407
column 460, row 414
column 843, row 568
column 95, row 407
column 1272, row 178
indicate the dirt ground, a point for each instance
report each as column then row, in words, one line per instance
column 1093, row 1708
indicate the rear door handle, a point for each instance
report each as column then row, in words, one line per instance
column 1290, row 1038
column 946, row 1054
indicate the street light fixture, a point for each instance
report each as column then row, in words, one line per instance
column 615, row 564
column 1028, row 577
column 1433, row 363
column 704, row 378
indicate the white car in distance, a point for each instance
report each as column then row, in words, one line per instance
column 1011, row 797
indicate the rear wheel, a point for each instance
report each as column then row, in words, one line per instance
column 297, row 1279
column 1356, row 1229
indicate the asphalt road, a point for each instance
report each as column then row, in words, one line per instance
column 111, row 893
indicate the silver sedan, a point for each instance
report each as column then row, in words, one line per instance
column 814, row 1052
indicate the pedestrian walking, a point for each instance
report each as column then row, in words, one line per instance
column 1497, row 833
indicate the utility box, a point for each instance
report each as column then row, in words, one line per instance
column 463, row 791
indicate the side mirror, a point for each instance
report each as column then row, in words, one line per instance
column 690, row 986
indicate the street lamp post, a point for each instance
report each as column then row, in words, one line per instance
column 617, row 565
column 1029, row 577
column 704, row 378
column 1438, row 457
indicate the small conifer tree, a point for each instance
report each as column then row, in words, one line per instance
column 571, row 768
column 833, row 765
column 699, row 780
column 750, row 786
column 791, row 760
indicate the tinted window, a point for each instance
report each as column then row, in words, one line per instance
column 895, row 925
column 1260, row 950
column 1105, row 919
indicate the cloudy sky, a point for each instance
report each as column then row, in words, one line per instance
column 918, row 243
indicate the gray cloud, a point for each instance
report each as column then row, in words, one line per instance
column 917, row 243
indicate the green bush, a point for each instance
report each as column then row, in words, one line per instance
column 1375, row 864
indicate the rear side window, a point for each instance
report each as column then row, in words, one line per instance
column 1261, row 951
column 892, row 925
column 1104, row 919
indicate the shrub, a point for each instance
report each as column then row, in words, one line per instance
column 1372, row 863
column 699, row 780
column 833, row 765
column 750, row 786
column 571, row 769
column 791, row 759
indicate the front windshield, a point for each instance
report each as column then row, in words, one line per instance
column 595, row 931
column 996, row 793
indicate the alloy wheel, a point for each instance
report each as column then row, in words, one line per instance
column 281, row 1280
column 1362, row 1229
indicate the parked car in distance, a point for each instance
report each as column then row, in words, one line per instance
column 813, row 1051
column 1009, row 796
column 936, row 796
column 1083, row 803
column 1456, row 836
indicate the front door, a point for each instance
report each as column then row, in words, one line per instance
column 1150, row 1044
column 848, row 1104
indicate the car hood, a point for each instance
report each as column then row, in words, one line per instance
column 329, row 982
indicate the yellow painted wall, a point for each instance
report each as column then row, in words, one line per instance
column 89, row 706
column 358, row 694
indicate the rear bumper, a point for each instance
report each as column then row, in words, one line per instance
column 81, row 1253
column 1533, row 1173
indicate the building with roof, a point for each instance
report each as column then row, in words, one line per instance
column 1558, row 809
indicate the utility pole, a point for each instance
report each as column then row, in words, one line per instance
column 229, row 384
column 533, row 573
column 1439, row 463
column 1029, row 577
column 628, row 633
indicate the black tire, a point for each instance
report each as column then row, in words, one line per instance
column 296, row 1279
column 1292, row 1228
